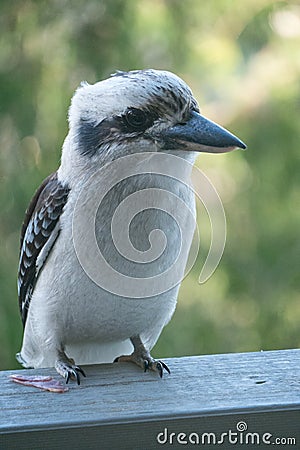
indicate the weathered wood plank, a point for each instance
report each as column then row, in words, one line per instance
column 119, row 405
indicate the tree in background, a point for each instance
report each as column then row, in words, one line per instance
column 242, row 60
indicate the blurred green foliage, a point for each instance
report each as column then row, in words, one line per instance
column 242, row 61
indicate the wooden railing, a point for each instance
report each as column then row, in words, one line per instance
column 217, row 401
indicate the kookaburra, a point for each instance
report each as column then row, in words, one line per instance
column 68, row 319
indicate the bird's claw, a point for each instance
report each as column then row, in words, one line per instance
column 141, row 357
column 146, row 362
column 68, row 370
column 73, row 372
column 164, row 366
column 146, row 365
column 157, row 366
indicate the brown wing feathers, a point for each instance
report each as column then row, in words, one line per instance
column 40, row 221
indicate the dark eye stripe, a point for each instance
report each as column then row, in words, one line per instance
column 91, row 136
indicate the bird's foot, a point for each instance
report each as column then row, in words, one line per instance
column 67, row 368
column 146, row 362
column 142, row 358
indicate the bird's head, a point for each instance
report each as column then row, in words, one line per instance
column 143, row 110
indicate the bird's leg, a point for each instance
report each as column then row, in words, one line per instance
column 142, row 358
column 67, row 368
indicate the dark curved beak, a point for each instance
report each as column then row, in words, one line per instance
column 200, row 134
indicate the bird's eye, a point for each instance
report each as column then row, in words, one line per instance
column 136, row 119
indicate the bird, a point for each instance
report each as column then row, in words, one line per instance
column 69, row 319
